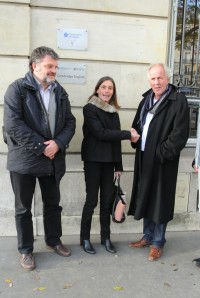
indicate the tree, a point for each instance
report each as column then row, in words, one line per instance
column 190, row 24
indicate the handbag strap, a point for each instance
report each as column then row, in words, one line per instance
column 118, row 181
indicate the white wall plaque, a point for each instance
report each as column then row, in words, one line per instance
column 71, row 73
column 72, row 39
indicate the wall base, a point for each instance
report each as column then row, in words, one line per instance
column 71, row 225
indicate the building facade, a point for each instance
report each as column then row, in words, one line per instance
column 93, row 39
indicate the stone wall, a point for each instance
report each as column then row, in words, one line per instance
column 124, row 37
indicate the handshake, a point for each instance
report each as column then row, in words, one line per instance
column 134, row 135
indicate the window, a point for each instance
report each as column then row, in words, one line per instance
column 187, row 53
column 184, row 56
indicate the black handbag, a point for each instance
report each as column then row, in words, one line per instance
column 118, row 203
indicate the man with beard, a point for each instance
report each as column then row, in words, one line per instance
column 39, row 126
column 162, row 121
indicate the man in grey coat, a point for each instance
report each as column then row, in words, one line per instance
column 162, row 121
column 39, row 126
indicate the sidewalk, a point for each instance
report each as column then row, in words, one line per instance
column 125, row 274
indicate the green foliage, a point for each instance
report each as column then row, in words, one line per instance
column 191, row 23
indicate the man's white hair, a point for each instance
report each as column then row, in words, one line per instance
column 166, row 69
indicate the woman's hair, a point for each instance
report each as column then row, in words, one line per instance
column 39, row 53
column 113, row 100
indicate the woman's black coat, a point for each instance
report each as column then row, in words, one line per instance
column 102, row 133
column 154, row 186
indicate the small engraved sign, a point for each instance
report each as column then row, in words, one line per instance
column 72, row 39
column 71, row 73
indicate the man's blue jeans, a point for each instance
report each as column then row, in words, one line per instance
column 154, row 233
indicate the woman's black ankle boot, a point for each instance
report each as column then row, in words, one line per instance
column 108, row 245
column 87, row 247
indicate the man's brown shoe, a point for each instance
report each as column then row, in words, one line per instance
column 27, row 261
column 139, row 244
column 155, row 253
column 60, row 249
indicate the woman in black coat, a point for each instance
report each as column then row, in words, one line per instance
column 101, row 153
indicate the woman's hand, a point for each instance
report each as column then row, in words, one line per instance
column 118, row 174
column 196, row 168
column 134, row 135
